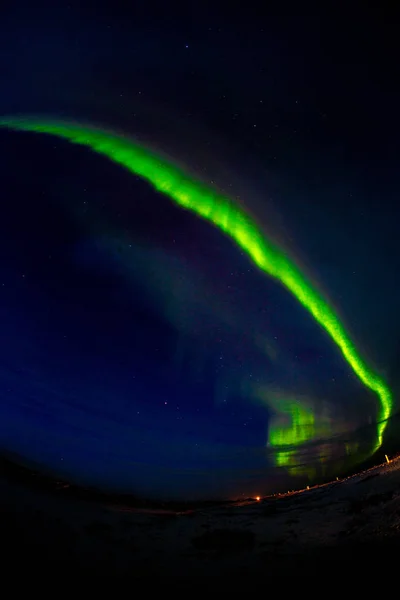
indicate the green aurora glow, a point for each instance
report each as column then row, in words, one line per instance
column 300, row 430
column 229, row 218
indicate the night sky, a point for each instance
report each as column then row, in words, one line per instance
column 141, row 349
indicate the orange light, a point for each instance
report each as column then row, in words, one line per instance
column 258, row 498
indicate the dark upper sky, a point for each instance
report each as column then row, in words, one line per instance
column 140, row 349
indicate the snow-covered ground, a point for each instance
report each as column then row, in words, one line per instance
column 335, row 526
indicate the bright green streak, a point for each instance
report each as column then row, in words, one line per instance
column 229, row 218
column 300, row 430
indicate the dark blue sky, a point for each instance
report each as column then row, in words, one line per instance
column 139, row 346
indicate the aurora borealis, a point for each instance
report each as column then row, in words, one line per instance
column 233, row 221
column 199, row 292
column 198, row 252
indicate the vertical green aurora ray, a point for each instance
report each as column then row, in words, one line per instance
column 230, row 219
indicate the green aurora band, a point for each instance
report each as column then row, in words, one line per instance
column 229, row 218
